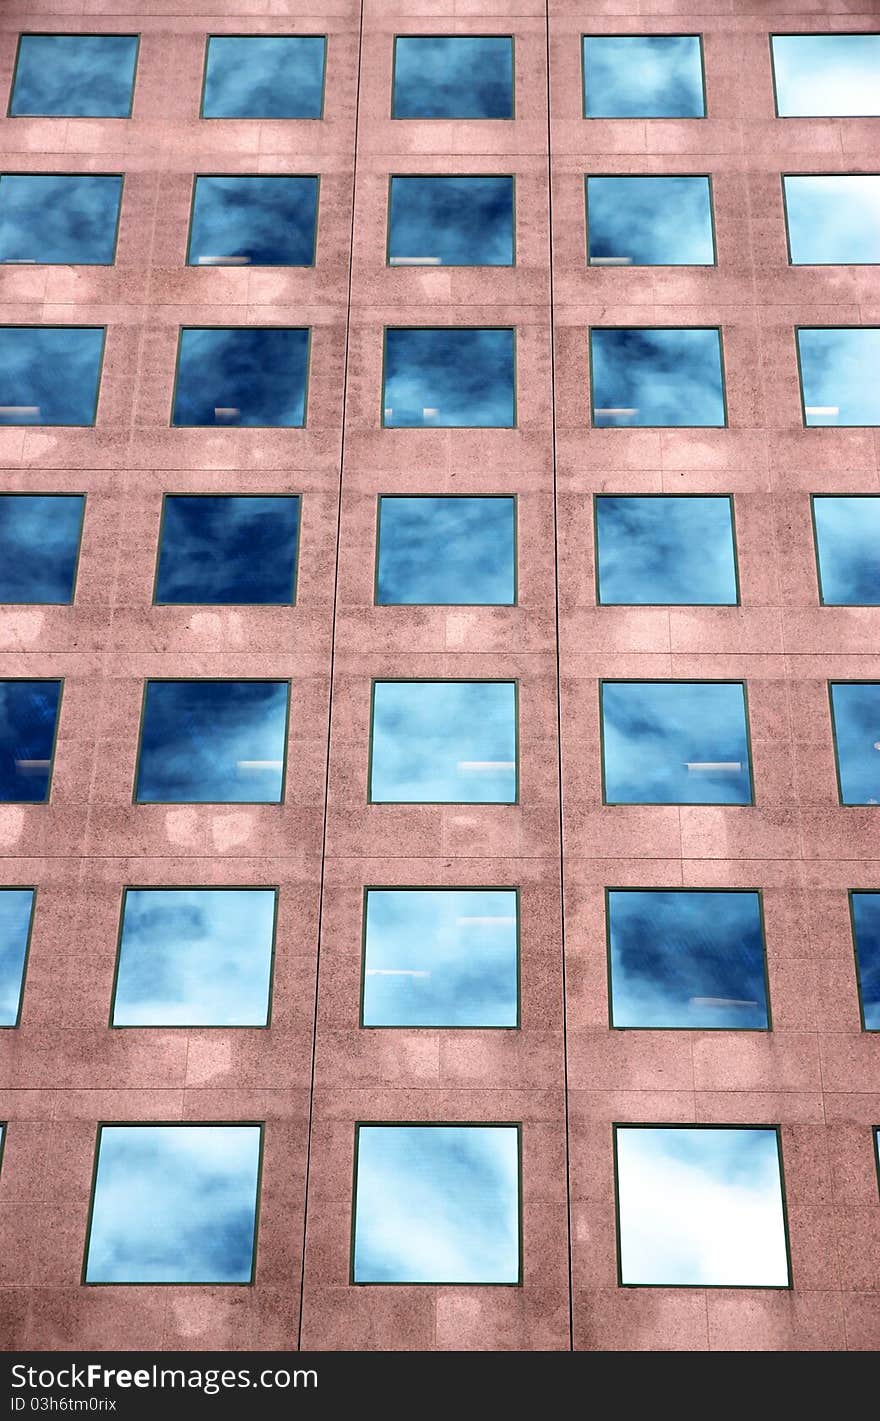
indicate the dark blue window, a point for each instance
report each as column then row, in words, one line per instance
column 453, row 76
column 264, row 76
column 28, row 719
column 59, row 219
column 50, row 374
column 39, row 546
column 660, row 377
column 665, row 550
column 74, row 76
column 839, row 366
column 449, row 377
column 643, row 76
column 16, row 912
column 855, row 708
column 848, row 548
column 446, row 550
column 257, row 221
column 650, row 221
column 866, row 931
column 246, row 375
column 451, row 222
column 228, row 548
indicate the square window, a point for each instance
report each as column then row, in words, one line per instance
column 838, row 369
column 675, row 742
column 666, row 550
column 264, row 76
column 174, row 1204
column 213, row 742
column 855, row 715
column 441, row 957
column 643, row 76
column 700, row 1207
column 650, row 222
column 444, row 742
column 16, row 916
column 848, row 549
column 39, row 546
column 28, row 725
column 833, row 219
column 50, row 374
column 195, row 957
column 447, row 551
column 253, row 221
column 60, row 218
column 228, row 549
column 242, row 376
column 866, row 939
column 436, row 1204
column 656, row 377
column 453, row 221
column 452, row 76
column 687, row 959
column 452, row 378
column 74, row 76
column 817, row 76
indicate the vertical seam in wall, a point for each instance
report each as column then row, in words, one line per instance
column 558, row 691
column 330, row 685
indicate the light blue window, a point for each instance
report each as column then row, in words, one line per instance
column 28, row 722
column 686, row 959
column 449, row 377
column 74, row 76
column 866, row 935
column 242, row 376
column 444, row 742
column 643, row 76
column 213, row 742
column 666, row 550
column 700, row 1207
column 650, row 222
column 440, row 957
column 16, row 915
column 256, row 221
column 839, row 368
column 195, row 957
column 264, row 76
column 436, row 1204
column 821, row 75
column 174, row 1204
column 652, row 376
column 453, row 76
column 450, row 221
column 675, row 742
column 39, row 546
column 855, row 712
column 50, row 374
column 833, row 219
column 228, row 549
column 848, row 548
column 64, row 218
column 447, row 551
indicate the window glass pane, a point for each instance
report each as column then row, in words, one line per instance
column 226, row 548
column 39, row 546
column 246, row 375
column 264, row 76
column 446, row 551
column 848, row 549
column 660, row 377
column 818, row 75
column 257, row 221
column 450, row 222
column 449, row 742
column 700, row 1207
column 686, row 959
column 213, row 742
column 16, row 909
column 440, row 957
column 675, row 742
column 174, row 1204
column 28, row 716
column 454, row 76
column 856, row 711
column 666, row 550
column 838, row 367
column 650, row 222
column 866, row 932
column 833, row 219
column 437, row 1204
column 449, row 377
column 643, row 76
column 195, row 957
column 66, row 218
column 89, row 76
column 50, row 374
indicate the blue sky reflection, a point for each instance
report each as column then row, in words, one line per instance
column 258, row 221
column 656, row 376
column 446, row 551
column 264, row 76
column 848, row 549
column 16, row 908
column 665, row 550
column 74, row 76
column 649, row 221
column 453, row 76
column 449, row 377
column 242, row 376
column 228, row 549
column 450, row 221
column 643, row 76
column 856, row 711
column 839, row 368
column 28, row 716
column 67, row 218
column 39, row 545
column 866, row 930
column 826, row 75
column 450, row 742
column 833, row 218
column 49, row 374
